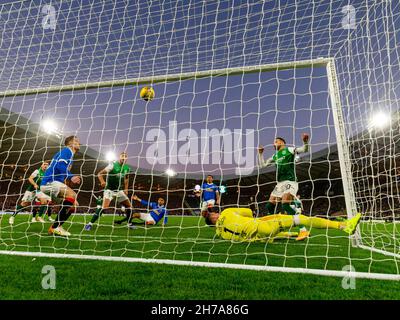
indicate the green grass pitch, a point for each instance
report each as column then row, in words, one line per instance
column 187, row 238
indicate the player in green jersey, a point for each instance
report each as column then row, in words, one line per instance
column 33, row 194
column 286, row 189
column 115, row 187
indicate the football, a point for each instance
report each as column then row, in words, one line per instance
column 147, row 93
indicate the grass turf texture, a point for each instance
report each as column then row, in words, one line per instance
column 21, row 278
column 187, row 238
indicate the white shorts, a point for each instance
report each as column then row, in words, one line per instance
column 40, row 195
column 206, row 204
column 119, row 196
column 52, row 189
column 146, row 217
column 285, row 187
column 29, row 196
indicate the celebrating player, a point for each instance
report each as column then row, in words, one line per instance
column 286, row 189
column 209, row 193
column 33, row 193
column 116, row 187
column 238, row 224
column 158, row 211
column 54, row 183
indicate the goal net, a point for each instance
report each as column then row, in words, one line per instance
column 228, row 76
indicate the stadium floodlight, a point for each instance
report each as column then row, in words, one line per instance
column 49, row 126
column 170, row 172
column 111, row 156
column 379, row 120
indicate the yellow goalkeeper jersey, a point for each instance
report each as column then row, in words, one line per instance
column 237, row 224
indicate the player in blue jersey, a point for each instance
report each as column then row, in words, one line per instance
column 209, row 193
column 54, row 183
column 157, row 212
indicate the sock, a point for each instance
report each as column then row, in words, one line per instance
column 97, row 215
column 288, row 209
column 122, row 220
column 270, row 208
column 64, row 213
column 128, row 216
column 318, row 223
column 18, row 209
column 34, row 212
column 128, row 212
column 42, row 210
column 48, row 211
column 286, row 235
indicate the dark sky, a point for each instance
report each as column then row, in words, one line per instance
column 93, row 41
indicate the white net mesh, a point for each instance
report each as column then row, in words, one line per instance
column 87, row 62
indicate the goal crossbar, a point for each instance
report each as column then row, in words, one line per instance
column 320, row 62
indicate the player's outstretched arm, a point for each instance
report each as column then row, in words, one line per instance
column 305, row 137
column 263, row 163
column 136, row 198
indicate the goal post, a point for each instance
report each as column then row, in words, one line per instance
column 341, row 141
column 228, row 77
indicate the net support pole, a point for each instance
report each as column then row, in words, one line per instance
column 342, row 146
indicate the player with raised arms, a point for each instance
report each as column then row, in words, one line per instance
column 209, row 194
column 238, row 224
column 115, row 187
column 54, row 183
column 286, row 189
column 32, row 194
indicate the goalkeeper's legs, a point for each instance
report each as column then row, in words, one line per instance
column 348, row 226
column 268, row 228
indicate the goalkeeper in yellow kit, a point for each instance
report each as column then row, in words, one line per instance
column 238, row 224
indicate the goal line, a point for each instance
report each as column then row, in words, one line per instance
column 319, row 272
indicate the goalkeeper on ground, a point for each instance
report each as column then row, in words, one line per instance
column 238, row 224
